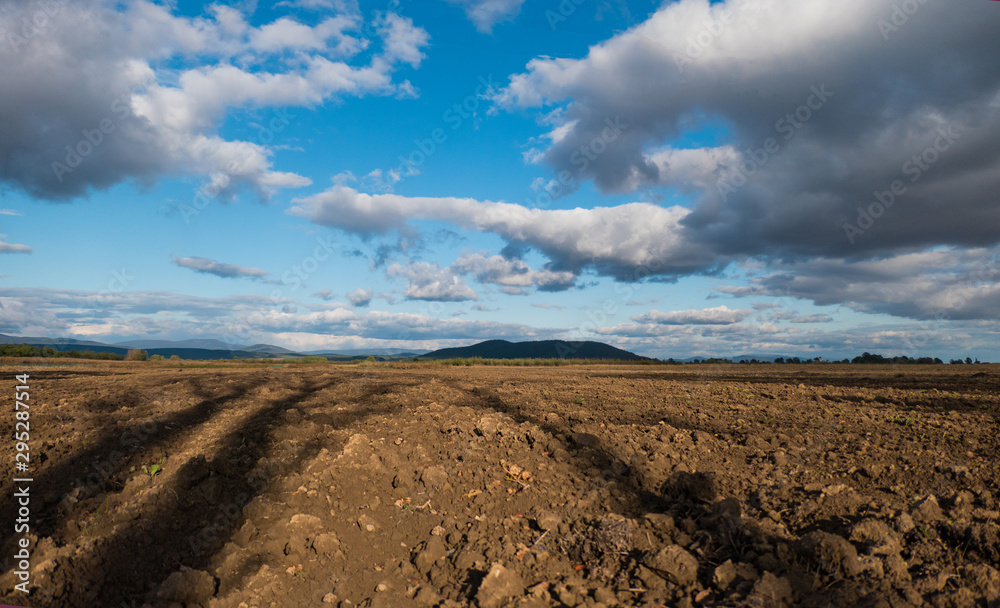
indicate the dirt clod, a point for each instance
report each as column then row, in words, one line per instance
column 928, row 510
column 547, row 520
column 983, row 580
column 434, row 477
column 678, row 564
column 499, row 585
column 188, row 587
column 771, row 592
column 832, row 553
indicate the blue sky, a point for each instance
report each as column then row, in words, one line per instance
column 679, row 179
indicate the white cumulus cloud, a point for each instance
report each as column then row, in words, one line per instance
column 109, row 92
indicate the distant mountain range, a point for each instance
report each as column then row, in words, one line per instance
column 4, row 339
column 202, row 344
column 544, row 349
column 490, row 349
column 198, row 349
column 266, row 349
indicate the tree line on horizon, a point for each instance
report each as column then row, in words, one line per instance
column 27, row 350
column 863, row 359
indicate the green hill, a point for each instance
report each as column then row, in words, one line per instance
column 544, row 349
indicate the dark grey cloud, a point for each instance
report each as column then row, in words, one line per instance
column 950, row 283
column 219, row 269
column 824, row 105
column 813, row 318
column 765, row 306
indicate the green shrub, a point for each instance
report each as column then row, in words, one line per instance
column 135, row 354
column 157, row 358
column 20, row 350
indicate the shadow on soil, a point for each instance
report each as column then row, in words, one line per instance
column 174, row 529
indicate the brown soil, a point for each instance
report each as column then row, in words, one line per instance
column 355, row 485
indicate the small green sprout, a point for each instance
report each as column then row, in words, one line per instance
column 96, row 518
